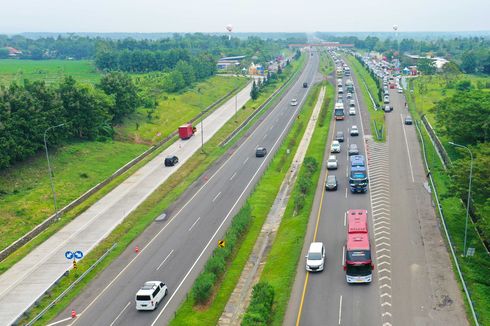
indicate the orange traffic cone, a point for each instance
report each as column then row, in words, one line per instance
column 73, row 313
column 136, row 249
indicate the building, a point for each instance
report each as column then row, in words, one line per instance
column 229, row 62
column 438, row 61
column 13, row 52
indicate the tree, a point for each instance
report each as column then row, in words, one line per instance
column 85, row 107
column 468, row 62
column 426, row 66
column 254, row 93
column 465, row 117
column 187, row 72
column 4, row 53
column 121, row 87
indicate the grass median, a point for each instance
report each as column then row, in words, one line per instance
column 376, row 117
column 158, row 202
column 475, row 269
column 260, row 201
column 280, row 268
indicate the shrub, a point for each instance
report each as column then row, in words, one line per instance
column 202, row 288
column 216, row 264
column 260, row 309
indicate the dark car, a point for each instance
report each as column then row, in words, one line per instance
column 408, row 120
column 331, row 183
column 260, row 152
column 353, row 150
column 171, row 160
column 305, row 85
column 339, row 136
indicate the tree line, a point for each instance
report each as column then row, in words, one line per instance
column 84, row 111
column 465, row 119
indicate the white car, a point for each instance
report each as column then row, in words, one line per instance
column 294, row 102
column 352, row 111
column 400, row 90
column 354, row 131
column 150, row 295
column 315, row 259
column 335, row 148
column 332, row 163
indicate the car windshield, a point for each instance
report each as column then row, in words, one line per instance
column 314, row 256
column 360, row 270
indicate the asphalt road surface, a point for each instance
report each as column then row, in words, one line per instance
column 413, row 283
column 175, row 251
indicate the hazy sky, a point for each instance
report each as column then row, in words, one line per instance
column 245, row 15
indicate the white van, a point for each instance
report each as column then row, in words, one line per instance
column 315, row 259
column 150, row 295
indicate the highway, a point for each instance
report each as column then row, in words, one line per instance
column 413, row 283
column 175, row 251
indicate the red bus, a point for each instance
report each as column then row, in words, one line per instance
column 357, row 221
column 358, row 263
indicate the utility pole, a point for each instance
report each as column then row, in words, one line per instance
column 49, row 169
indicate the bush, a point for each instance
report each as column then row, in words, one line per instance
column 259, row 311
column 216, row 264
column 202, row 288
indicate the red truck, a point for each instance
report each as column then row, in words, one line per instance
column 186, row 131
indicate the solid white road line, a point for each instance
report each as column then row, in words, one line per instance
column 163, row 262
column 114, row 321
column 340, row 310
column 60, row 321
column 216, row 197
column 194, row 223
column 408, row 150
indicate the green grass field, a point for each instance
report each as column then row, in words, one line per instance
column 174, row 109
column 25, row 193
column 51, row 71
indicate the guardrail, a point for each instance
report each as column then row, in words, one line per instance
column 441, row 151
column 450, row 244
column 53, row 218
column 69, row 288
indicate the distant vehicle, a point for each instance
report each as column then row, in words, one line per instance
column 349, row 96
column 332, row 163
column 339, row 111
column 294, row 102
column 315, row 259
column 358, row 179
column 339, row 82
column 386, row 99
column 352, row 111
column 408, row 120
column 353, row 150
column 186, row 131
column 260, row 152
column 354, row 131
column 171, row 160
column 335, row 147
column 341, row 90
column 339, row 136
column 150, row 295
column 388, row 108
column 331, row 183
column 352, row 103
column 400, row 90
column 349, row 84
column 357, row 161
column 305, row 85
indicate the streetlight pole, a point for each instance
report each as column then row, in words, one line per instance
column 49, row 168
column 469, row 195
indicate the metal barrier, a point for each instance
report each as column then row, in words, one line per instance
column 69, row 288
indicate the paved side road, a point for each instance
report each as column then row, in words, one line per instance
column 27, row 280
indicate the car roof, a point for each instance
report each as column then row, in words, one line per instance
column 331, row 176
column 335, row 142
column 340, row 132
column 354, row 126
column 353, row 145
column 149, row 287
column 316, row 247
column 332, row 157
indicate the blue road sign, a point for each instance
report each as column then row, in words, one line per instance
column 69, row 254
column 78, row 254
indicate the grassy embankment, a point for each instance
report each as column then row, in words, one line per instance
column 158, row 202
column 376, row 116
column 476, row 269
column 261, row 201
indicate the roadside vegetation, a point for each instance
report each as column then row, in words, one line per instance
column 157, row 203
column 368, row 85
column 455, row 108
